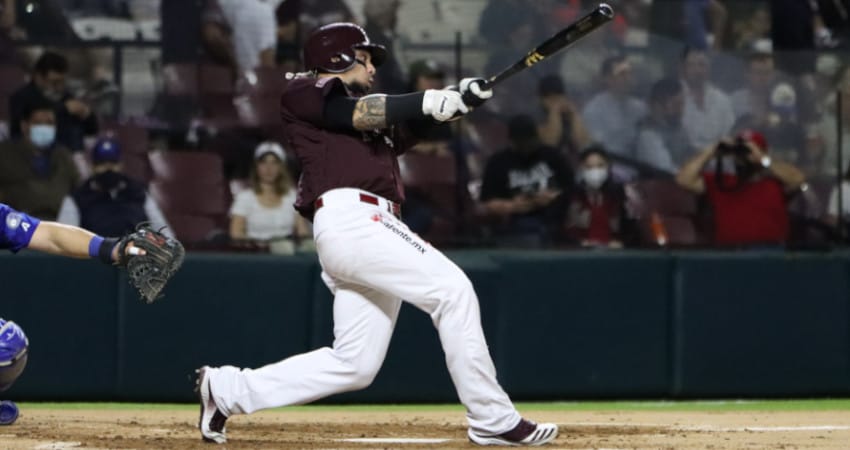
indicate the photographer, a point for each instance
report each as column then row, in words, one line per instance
column 746, row 188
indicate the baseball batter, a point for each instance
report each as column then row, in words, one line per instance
column 19, row 231
column 347, row 143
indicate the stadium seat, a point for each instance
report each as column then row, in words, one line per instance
column 268, row 81
column 202, row 168
column 258, row 110
column 180, row 79
column 676, row 208
column 433, row 181
column 12, row 78
column 666, row 197
column 133, row 138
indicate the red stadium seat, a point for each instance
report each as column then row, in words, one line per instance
column 181, row 79
column 12, row 78
column 666, row 197
column 133, row 138
column 268, row 81
column 202, row 168
column 433, row 180
column 258, row 110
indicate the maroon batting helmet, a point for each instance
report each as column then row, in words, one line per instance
column 331, row 48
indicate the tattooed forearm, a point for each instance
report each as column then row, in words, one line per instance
column 370, row 113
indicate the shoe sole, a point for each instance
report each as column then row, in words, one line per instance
column 204, row 397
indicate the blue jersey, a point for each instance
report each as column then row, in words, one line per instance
column 16, row 228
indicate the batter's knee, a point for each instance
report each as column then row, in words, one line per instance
column 362, row 375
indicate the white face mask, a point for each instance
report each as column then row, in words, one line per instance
column 42, row 135
column 595, row 178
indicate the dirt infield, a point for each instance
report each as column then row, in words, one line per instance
column 156, row 429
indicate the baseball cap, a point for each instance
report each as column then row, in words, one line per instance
column 755, row 137
column 106, row 150
column 426, row 68
column 269, row 147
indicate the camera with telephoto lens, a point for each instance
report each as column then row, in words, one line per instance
column 739, row 148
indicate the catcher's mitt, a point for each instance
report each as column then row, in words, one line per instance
column 149, row 272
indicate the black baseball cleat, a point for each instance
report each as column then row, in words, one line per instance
column 212, row 420
column 525, row 434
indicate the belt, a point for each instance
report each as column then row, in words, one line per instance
column 392, row 207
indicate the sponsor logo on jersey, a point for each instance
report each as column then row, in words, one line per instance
column 13, row 221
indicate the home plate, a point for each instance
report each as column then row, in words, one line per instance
column 395, row 440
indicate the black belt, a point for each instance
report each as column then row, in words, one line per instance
column 393, row 207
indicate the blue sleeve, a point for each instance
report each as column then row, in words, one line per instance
column 16, row 229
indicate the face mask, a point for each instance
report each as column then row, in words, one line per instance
column 108, row 180
column 53, row 96
column 42, row 135
column 596, row 177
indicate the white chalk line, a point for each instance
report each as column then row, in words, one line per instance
column 396, row 440
column 765, row 429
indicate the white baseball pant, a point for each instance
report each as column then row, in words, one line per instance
column 371, row 261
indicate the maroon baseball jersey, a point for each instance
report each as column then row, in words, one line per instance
column 333, row 159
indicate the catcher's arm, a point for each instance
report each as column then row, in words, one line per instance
column 67, row 240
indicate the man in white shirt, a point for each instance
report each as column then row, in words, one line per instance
column 708, row 116
column 242, row 33
column 612, row 115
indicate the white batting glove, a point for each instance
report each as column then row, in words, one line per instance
column 443, row 104
column 471, row 92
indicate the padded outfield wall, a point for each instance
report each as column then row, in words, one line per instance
column 559, row 325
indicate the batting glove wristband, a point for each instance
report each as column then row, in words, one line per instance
column 472, row 93
column 443, row 104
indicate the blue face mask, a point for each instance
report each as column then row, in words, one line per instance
column 42, row 135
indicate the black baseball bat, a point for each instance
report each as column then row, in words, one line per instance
column 561, row 40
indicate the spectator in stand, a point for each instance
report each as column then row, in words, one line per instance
column 705, row 23
column 662, row 141
column 37, row 171
column 561, row 125
column 315, row 13
column 241, row 34
column 708, row 115
column 74, row 119
column 265, row 211
column 510, row 28
column 754, row 99
column 832, row 210
column 381, row 20
column 288, row 55
column 596, row 215
column 826, row 163
column 524, row 187
column 109, row 202
column 753, row 32
column 749, row 204
column 612, row 115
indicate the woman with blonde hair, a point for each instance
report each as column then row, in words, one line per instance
column 265, row 211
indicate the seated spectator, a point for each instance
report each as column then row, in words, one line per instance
column 832, row 212
column 662, row 141
column 754, row 98
column 74, row 118
column 37, row 172
column 596, row 215
column 381, row 19
column 109, row 202
column 561, row 125
column 315, row 13
column 265, row 211
column 521, row 185
column 241, row 34
column 612, row 115
column 746, row 189
column 708, row 115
